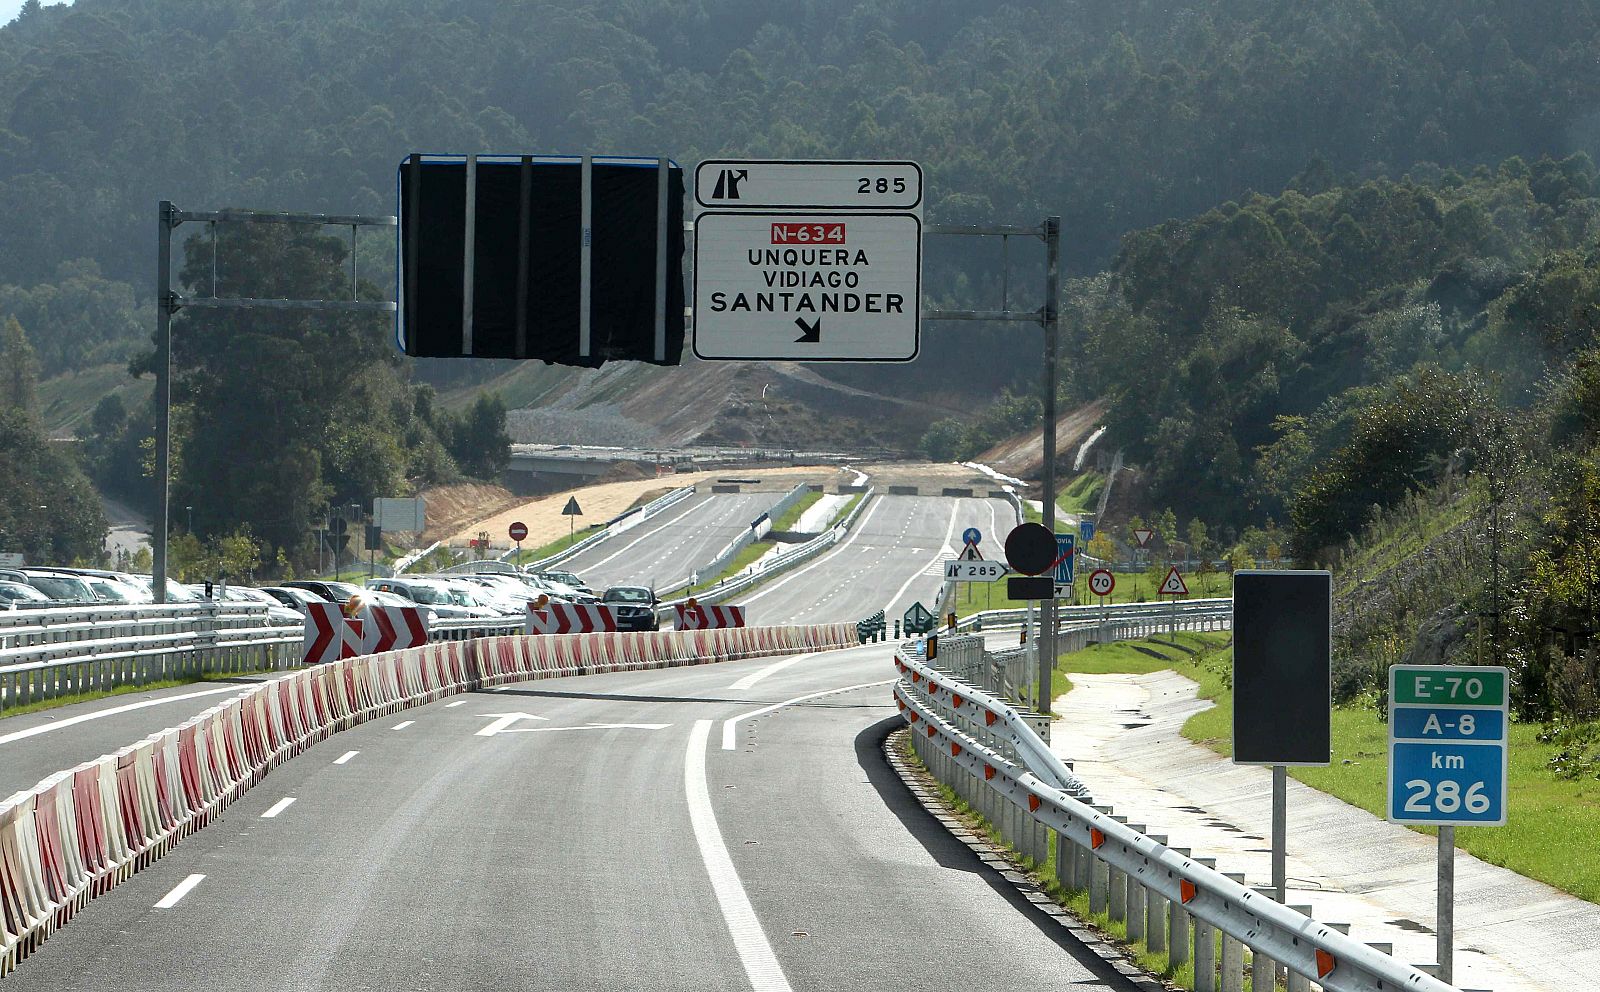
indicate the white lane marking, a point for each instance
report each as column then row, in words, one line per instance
column 592, row 726
column 729, row 725
column 503, row 720
column 180, row 890
column 279, row 806
column 754, row 677
column 113, row 711
column 345, row 757
column 403, row 724
column 459, row 702
column 949, row 533
column 860, row 529
column 755, row 953
column 630, row 545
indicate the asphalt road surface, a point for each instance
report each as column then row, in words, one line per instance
column 665, row 549
column 891, row 558
column 599, row 838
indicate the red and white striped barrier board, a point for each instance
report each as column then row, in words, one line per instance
column 390, row 628
column 329, row 635
column 709, row 617
column 571, row 618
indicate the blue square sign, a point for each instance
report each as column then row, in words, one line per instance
column 1065, row 546
column 1448, row 734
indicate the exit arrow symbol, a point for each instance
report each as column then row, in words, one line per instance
column 503, row 721
column 813, row 331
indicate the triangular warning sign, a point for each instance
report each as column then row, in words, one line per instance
column 572, row 508
column 971, row 553
column 1143, row 535
column 1174, row 585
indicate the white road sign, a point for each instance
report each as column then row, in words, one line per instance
column 807, row 287
column 958, row 570
column 802, row 185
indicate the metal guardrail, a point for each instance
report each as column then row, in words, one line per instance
column 24, row 628
column 1182, row 611
column 990, row 754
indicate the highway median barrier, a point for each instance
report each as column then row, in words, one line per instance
column 81, row 832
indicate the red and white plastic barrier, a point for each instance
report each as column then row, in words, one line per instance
column 700, row 617
column 81, row 832
column 570, row 618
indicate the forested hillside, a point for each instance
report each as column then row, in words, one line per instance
column 1118, row 116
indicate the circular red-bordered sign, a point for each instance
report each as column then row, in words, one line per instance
column 518, row 531
column 1101, row 582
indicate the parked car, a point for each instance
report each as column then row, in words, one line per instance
column 293, row 597
column 63, row 587
column 569, row 579
column 381, row 598
column 423, row 592
column 21, row 596
column 177, row 592
column 332, row 592
column 635, row 607
column 464, row 593
column 114, row 590
column 277, row 613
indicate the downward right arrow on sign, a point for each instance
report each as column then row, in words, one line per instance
column 813, row 331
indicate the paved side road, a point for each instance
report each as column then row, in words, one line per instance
column 36, row 745
column 1512, row 934
column 606, row 840
column 666, row 549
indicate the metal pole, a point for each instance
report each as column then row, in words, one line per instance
column 166, row 214
column 1280, row 833
column 1446, row 923
column 1051, row 318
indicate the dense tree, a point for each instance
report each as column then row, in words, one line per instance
column 48, row 510
column 18, row 369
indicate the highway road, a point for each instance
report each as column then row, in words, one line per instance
column 583, row 834
column 891, row 558
column 665, row 549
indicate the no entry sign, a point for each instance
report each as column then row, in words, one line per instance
column 518, row 531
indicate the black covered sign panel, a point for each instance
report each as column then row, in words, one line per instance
column 1282, row 667
column 526, row 258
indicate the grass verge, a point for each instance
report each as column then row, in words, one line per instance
column 792, row 515
column 1552, row 833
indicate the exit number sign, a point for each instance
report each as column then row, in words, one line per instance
column 1448, row 733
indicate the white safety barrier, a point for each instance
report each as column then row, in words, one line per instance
column 81, row 832
column 987, row 751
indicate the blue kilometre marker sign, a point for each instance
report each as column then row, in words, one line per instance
column 1448, row 732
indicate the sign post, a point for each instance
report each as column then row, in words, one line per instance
column 517, row 531
column 1282, row 692
column 1448, row 740
column 572, row 511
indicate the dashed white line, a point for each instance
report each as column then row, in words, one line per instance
column 860, row 529
column 279, row 806
column 459, row 702
column 729, row 725
column 180, row 890
column 345, row 757
column 755, row 952
column 403, row 724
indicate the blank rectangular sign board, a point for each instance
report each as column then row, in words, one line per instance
column 1282, row 667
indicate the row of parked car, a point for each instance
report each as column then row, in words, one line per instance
column 482, row 595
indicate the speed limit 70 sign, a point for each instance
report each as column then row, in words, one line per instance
column 1101, row 582
column 957, row 570
column 1448, row 727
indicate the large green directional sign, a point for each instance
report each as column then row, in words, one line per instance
column 1448, row 729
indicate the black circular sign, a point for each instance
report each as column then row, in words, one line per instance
column 1030, row 549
